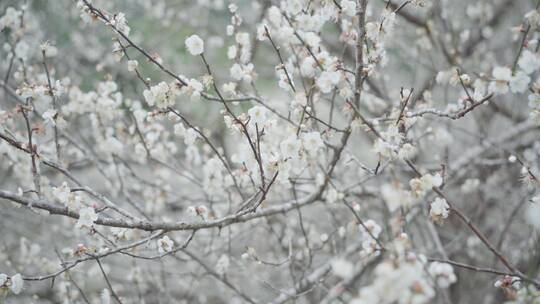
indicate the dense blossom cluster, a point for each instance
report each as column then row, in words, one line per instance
column 216, row 151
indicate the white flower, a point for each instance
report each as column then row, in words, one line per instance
column 384, row 148
column 470, row 185
column 120, row 23
column 191, row 211
column 443, row 77
column 342, row 268
column 258, row 115
column 87, row 217
column 242, row 39
column 3, row 279
column 132, row 65
column 419, row 186
column 194, row 88
column 190, row 136
column 165, row 244
column 502, row 76
column 242, row 72
column 443, row 274
column 312, row 141
column 159, row 95
column 222, row 265
column 529, row 62
column 312, row 39
column 229, row 30
column 419, row 2
column 10, row 18
column 62, row 193
column 105, row 296
column 308, row 67
column 534, row 100
column 519, row 82
column 534, row 116
column 373, row 31
column 233, row 8
column 22, row 49
column 327, row 80
column 179, row 129
column 231, row 52
column 48, row 49
column 508, row 282
column 229, row 88
column 294, row 6
column 439, row 209
column 348, row 7
column 533, row 16
column 332, row 195
column 66, row 197
column 533, row 212
column 290, row 147
column 407, row 151
column 17, row 283
column 372, row 227
column 195, row 45
column 49, row 116
column 396, row 197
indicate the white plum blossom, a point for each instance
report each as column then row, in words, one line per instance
column 312, row 141
column 443, row 273
column 533, row 213
column 242, row 72
column 22, row 50
column 256, row 157
column 105, row 296
column 159, row 95
column 342, row 268
column 232, row 51
column 14, row 284
column 328, row 80
column 502, row 76
column 17, row 283
column 348, row 7
column 165, row 245
column 11, row 18
column 132, row 65
column 222, row 265
column 120, row 23
column 49, row 116
column 508, row 282
column 369, row 235
column 470, row 185
column 395, row 197
column 258, row 115
column 419, row 186
column 195, row 45
column 87, row 217
column 62, row 193
column 66, row 196
column 529, row 62
column 308, row 67
column 190, row 136
column 194, row 88
column 439, row 209
column 519, row 82
column 332, row 196
column 48, row 49
column 290, row 147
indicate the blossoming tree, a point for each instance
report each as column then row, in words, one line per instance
column 293, row 151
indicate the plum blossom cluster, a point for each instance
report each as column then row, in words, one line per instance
column 12, row 284
column 306, row 151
